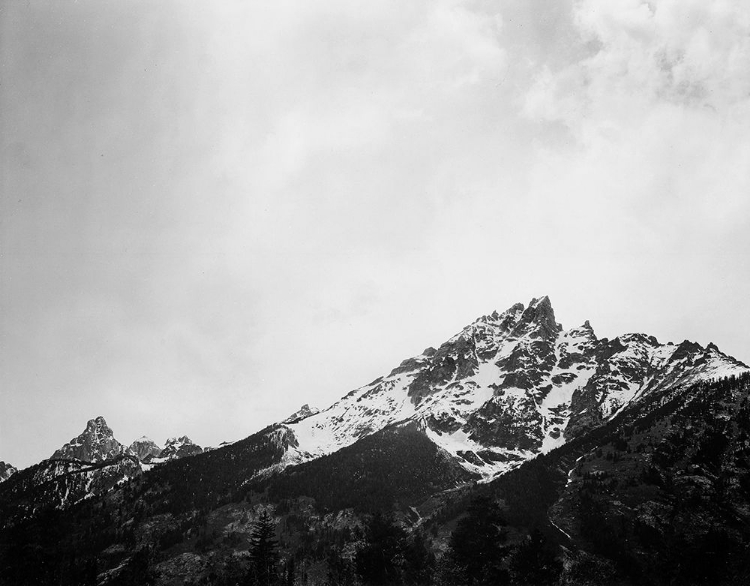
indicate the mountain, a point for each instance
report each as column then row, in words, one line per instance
column 622, row 461
column 6, row 471
column 302, row 413
column 89, row 465
column 149, row 453
column 507, row 387
column 144, row 448
column 61, row 483
column 660, row 494
column 96, row 444
column 177, row 448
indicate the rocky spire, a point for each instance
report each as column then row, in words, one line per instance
column 302, row 413
column 96, row 444
column 538, row 320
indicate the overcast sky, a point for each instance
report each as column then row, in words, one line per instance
column 214, row 212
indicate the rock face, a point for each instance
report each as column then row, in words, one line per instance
column 95, row 444
column 507, row 387
column 178, row 448
column 303, row 412
column 6, row 471
column 144, row 449
column 148, row 452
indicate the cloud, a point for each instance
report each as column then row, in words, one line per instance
column 652, row 174
column 690, row 54
column 660, row 107
column 259, row 205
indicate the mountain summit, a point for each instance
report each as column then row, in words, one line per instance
column 96, row 444
column 145, row 448
column 179, row 447
column 506, row 387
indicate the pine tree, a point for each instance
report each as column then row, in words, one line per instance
column 264, row 551
column 381, row 561
column 477, row 546
column 534, row 562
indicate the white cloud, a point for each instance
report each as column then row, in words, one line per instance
column 659, row 111
column 262, row 204
column 691, row 54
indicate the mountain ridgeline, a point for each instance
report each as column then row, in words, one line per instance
column 577, row 460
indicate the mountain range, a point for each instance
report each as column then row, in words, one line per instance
column 597, row 443
column 507, row 387
column 97, row 444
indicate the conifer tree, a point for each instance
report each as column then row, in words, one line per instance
column 477, row 547
column 381, row 561
column 264, row 551
column 534, row 562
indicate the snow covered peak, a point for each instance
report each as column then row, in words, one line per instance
column 500, row 323
column 506, row 387
column 538, row 320
column 535, row 321
column 504, row 320
column 584, row 330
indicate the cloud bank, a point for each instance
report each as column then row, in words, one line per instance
column 213, row 213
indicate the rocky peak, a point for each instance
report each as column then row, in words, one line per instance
column 538, row 321
column 96, row 444
column 585, row 329
column 508, row 386
column 145, row 448
column 582, row 335
column 497, row 322
column 6, row 471
column 179, row 447
column 460, row 357
column 638, row 338
column 301, row 413
column 98, row 428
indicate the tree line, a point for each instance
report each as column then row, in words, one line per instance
column 479, row 553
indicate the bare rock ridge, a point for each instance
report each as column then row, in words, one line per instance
column 508, row 386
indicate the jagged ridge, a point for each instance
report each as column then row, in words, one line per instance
column 507, row 387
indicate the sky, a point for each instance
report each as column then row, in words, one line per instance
column 212, row 213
